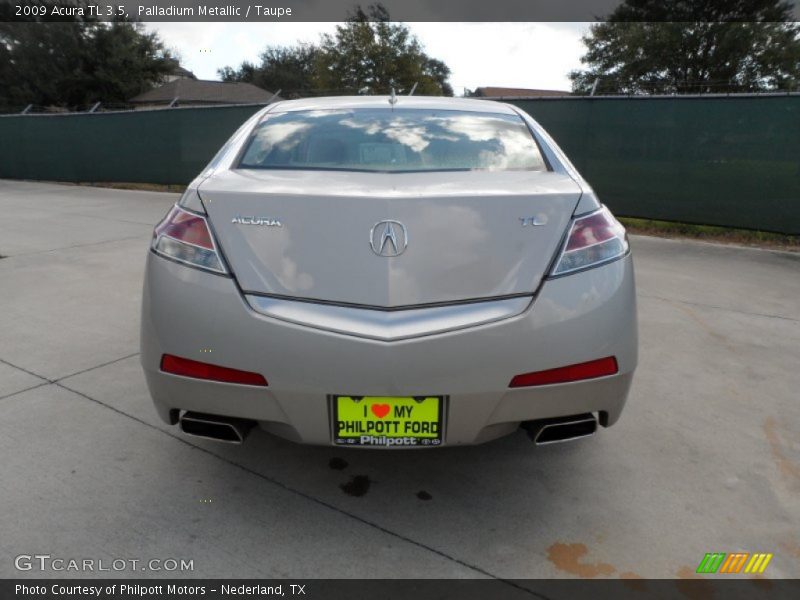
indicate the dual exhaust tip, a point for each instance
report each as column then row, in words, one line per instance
column 214, row 427
column 561, row 429
column 234, row 430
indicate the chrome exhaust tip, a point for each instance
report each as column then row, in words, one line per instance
column 561, row 429
column 213, row 427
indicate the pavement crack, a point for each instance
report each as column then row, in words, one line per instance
column 150, row 225
column 27, row 389
column 105, row 364
column 24, row 370
column 725, row 308
column 48, row 380
column 311, row 498
column 38, row 252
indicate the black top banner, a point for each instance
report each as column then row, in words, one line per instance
column 259, row 11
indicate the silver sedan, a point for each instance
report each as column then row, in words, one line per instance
column 393, row 273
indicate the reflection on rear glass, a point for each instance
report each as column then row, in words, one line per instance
column 392, row 140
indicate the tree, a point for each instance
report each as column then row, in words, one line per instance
column 692, row 46
column 289, row 69
column 78, row 62
column 124, row 62
column 369, row 54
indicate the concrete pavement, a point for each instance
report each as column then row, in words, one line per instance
column 705, row 458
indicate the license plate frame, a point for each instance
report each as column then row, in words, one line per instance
column 389, row 436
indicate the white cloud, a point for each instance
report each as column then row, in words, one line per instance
column 204, row 48
column 531, row 55
column 528, row 55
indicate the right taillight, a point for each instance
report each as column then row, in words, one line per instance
column 185, row 236
column 593, row 239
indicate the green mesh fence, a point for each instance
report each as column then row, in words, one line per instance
column 150, row 146
column 731, row 161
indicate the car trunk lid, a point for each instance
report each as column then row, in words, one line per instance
column 318, row 235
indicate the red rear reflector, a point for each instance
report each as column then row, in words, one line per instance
column 199, row 370
column 587, row 370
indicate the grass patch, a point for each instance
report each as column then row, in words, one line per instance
column 141, row 187
column 712, row 233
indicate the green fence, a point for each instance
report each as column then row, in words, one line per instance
column 732, row 161
column 150, row 146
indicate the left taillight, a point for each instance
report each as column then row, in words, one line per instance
column 185, row 236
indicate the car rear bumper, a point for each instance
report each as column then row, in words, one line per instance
column 577, row 318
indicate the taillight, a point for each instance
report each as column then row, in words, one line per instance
column 185, row 236
column 593, row 239
column 200, row 370
column 588, row 370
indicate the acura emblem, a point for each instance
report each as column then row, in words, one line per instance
column 388, row 238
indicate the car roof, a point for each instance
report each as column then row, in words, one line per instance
column 419, row 102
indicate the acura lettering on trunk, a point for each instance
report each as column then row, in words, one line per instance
column 495, row 293
column 266, row 221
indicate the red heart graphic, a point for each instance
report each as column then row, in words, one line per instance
column 380, row 410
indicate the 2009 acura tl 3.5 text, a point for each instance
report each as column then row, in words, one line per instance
column 389, row 272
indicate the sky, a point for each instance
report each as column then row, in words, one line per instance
column 528, row 55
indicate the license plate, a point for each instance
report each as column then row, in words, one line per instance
column 393, row 421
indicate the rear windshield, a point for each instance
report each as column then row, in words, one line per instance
column 398, row 140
